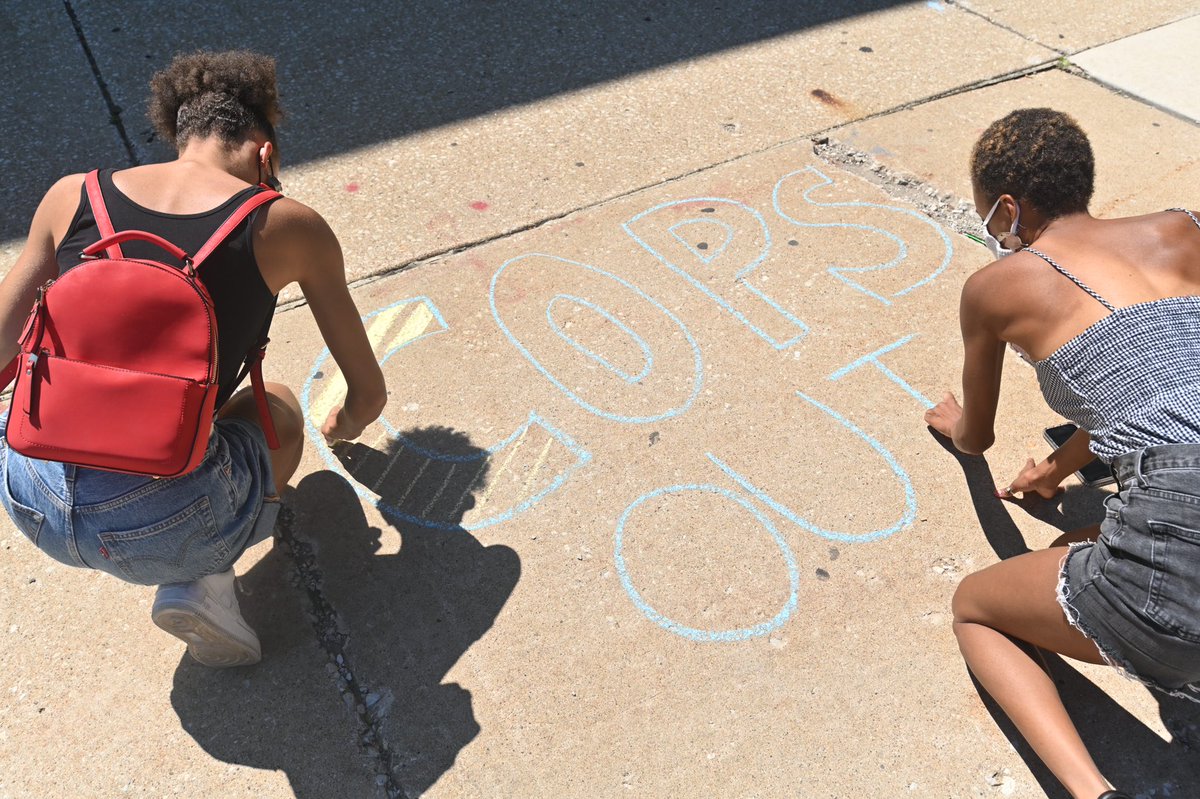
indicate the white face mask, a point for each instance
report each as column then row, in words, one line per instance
column 993, row 244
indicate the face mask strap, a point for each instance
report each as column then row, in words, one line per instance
column 991, row 213
column 1012, row 231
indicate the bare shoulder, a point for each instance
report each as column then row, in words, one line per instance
column 1001, row 279
column 64, row 194
column 1004, row 289
column 67, row 185
column 57, row 208
column 1183, row 221
column 1153, row 229
column 292, row 217
column 1164, row 241
column 293, row 243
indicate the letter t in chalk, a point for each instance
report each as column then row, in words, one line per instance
column 873, row 359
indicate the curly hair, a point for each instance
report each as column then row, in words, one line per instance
column 1038, row 155
column 228, row 94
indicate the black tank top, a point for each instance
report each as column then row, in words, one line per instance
column 243, row 303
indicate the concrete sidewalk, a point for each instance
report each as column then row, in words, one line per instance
column 652, row 510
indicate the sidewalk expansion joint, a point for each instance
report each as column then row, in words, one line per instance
column 332, row 641
column 983, row 83
column 944, row 207
column 438, row 255
column 114, row 110
column 957, row 4
column 1125, row 94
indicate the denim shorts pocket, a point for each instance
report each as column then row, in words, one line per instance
column 223, row 466
column 26, row 519
column 1113, row 525
column 1174, row 599
column 182, row 548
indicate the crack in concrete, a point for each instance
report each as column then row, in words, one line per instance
column 944, row 207
column 1002, row 26
column 431, row 258
column 114, row 110
column 333, row 641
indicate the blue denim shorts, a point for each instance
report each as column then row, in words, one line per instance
column 1135, row 592
column 140, row 529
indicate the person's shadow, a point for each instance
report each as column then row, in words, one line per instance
column 1129, row 753
column 389, row 627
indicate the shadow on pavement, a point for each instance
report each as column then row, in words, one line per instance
column 1130, row 754
column 402, row 621
column 354, row 75
column 285, row 713
column 1076, row 507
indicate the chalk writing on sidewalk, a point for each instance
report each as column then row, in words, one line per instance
column 673, row 395
column 843, row 273
column 617, row 352
column 526, row 466
column 696, row 634
column 725, row 276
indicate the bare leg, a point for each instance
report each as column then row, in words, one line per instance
column 289, row 426
column 1017, row 597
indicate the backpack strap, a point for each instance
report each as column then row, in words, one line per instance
column 100, row 212
column 91, row 183
column 260, row 396
column 253, row 366
column 254, row 358
column 235, row 219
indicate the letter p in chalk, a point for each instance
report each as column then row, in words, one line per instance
column 716, row 245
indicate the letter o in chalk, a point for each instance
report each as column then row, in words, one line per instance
column 538, row 281
column 694, row 633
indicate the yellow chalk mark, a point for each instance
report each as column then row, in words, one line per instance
column 335, row 385
column 441, row 490
column 391, row 462
column 416, row 324
column 483, row 463
column 331, row 394
column 504, row 466
column 537, row 467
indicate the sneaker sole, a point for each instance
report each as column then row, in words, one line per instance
column 207, row 644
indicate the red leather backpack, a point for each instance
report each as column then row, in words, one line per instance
column 118, row 361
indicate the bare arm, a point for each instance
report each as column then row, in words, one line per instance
column 36, row 264
column 1046, row 477
column 972, row 425
column 301, row 241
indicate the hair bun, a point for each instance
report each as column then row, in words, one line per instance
column 227, row 94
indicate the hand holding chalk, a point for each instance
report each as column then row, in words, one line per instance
column 1032, row 479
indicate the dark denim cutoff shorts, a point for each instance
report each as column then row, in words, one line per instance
column 143, row 530
column 1135, row 592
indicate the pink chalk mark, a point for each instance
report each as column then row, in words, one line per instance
column 352, row 187
column 479, row 205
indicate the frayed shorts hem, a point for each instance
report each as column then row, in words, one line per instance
column 1109, row 653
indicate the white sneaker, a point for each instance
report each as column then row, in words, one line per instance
column 205, row 614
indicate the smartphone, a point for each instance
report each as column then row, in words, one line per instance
column 1096, row 473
